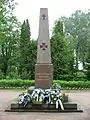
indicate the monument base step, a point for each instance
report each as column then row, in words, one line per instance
column 51, row 111
column 68, row 107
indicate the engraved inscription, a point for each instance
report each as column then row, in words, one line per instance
column 43, row 79
column 43, row 73
column 43, row 76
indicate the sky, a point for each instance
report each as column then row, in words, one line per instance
column 29, row 9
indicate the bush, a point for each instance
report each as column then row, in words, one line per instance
column 73, row 84
column 27, row 83
column 16, row 83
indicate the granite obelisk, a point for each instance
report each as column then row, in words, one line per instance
column 43, row 67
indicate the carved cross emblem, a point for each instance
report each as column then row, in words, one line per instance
column 43, row 17
column 43, row 46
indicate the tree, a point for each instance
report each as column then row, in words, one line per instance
column 88, row 60
column 70, row 47
column 27, row 52
column 78, row 25
column 32, row 62
column 58, row 50
column 9, row 35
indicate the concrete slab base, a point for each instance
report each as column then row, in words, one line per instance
column 68, row 107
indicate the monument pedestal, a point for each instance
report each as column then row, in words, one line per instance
column 43, row 75
column 68, row 107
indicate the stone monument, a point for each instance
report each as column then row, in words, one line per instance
column 43, row 67
column 43, row 100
